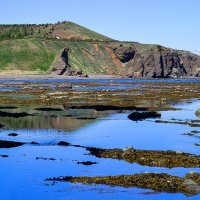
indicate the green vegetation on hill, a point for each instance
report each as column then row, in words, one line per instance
column 25, row 55
column 31, row 48
column 62, row 30
column 35, row 47
column 34, row 54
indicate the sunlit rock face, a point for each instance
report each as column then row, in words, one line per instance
column 156, row 62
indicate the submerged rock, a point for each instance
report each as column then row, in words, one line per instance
column 136, row 116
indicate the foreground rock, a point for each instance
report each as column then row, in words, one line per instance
column 15, row 115
column 198, row 113
column 136, row 116
column 10, row 144
column 167, row 159
column 188, row 185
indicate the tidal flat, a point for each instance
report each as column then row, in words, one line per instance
column 71, row 138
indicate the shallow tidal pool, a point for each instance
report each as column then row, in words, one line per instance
column 24, row 171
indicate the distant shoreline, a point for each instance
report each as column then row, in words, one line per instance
column 51, row 76
column 63, row 77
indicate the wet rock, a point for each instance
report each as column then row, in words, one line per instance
column 192, row 123
column 41, row 158
column 108, row 107
column 8, row 107
column 158, row 182
column 15, row 115
column 167, row 159
column 87, row 163
column 137, row 116
column 10, row 144
column 86, row 118
column 191, row 187
column 64, row 86
column 49, row 109
column 63, row 143
column 13, row 134
column 79, row 73
column 128, row 150
column 198, row 113
column 34, row 143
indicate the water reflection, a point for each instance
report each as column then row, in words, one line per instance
column 108, row 130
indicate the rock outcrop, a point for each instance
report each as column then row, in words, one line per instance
column 124, row 54
column 135, row 60
column 153, row 61
column 198, row 113
column 61, row 66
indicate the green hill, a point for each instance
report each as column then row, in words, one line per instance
column 62, row 30
column 38, row 55
column 38, row 49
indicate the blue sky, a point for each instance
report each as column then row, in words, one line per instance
column 172, row 23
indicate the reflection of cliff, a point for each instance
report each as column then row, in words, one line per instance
column 40, row 122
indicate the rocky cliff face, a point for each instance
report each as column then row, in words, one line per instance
column 62, row 67
column 156, row 62
column 131, row 60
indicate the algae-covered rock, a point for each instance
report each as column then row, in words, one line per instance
column 191, row 187
column 198, row 113
column 161, row 182
column 153, row 158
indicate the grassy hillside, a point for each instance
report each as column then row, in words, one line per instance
column 37, row 49
column 62, row 30
column 37, row 55
column 26, row 55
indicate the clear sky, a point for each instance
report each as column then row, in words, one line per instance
column 172, row 23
